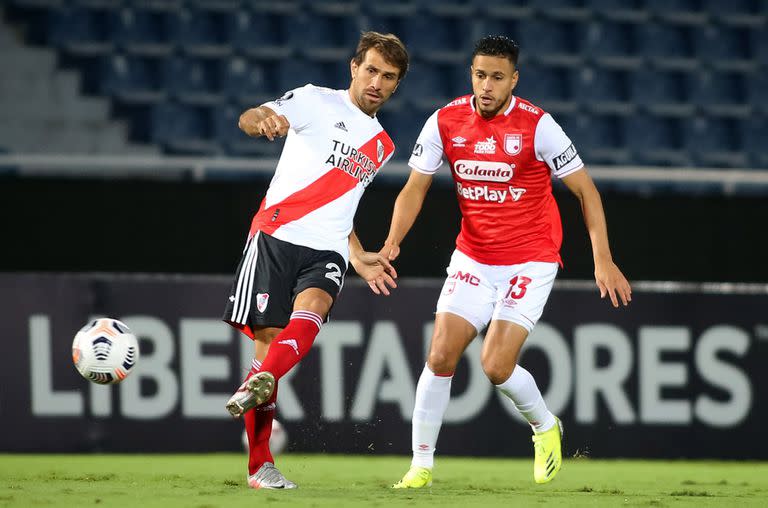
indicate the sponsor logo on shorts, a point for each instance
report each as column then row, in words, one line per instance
column 262, row 300
column 564, row 158
column 488, row 171
column 510, row 302
column 466, row 277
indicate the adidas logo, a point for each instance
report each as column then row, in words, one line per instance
column 292, row 343
column 340, row 125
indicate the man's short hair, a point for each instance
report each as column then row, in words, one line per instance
column 497, row 45
column 389, row 45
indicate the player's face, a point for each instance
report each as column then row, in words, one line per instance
column 373, row 82
column 493, row 79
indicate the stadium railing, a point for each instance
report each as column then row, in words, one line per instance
column 623, row 178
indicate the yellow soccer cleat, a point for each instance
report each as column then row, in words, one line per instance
column 415, row 478
column 549, row 453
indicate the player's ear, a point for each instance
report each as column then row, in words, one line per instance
column 352, row 68
column 515, row 77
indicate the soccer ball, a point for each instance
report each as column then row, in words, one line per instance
column 105, row 351
column 277, row 441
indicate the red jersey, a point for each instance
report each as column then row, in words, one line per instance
column 502, row 168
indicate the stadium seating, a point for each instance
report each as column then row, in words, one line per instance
column 663, row 82
column 132, row 79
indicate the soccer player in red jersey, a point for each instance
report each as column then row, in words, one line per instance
column 301, row 238
column 502, row 152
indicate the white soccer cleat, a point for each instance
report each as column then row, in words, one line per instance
column 269, row 477
column 256, row 390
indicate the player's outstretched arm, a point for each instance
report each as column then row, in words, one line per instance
column 407, row 207
column 374, row 268
column 608, row 277
column 263, row 121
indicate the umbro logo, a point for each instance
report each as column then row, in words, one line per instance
column 340, row 125
column 458, row 141
column 292, row 343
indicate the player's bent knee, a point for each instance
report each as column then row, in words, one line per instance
column 497, row 372
column 314, row 300
column 441, row 363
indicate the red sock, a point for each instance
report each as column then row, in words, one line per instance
column 293, row 343
column 258, row 426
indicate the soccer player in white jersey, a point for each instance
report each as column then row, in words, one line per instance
column 501, row 151
column 301, row 238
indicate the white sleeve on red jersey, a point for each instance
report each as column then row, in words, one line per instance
column 297, row 106
column 555, row 148
column 427, row 155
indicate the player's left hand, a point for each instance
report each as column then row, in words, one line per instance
column 376, row 270
column 390, row 251
column 612, row 282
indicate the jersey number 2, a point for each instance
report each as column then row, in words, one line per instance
column 518, row 285
column 334, row 274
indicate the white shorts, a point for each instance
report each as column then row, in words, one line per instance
column 480, row 293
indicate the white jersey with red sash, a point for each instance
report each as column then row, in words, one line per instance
column 332, row 152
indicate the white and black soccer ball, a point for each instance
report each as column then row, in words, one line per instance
column 105, row 351
column 278, row 440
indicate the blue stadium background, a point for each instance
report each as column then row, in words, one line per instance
column 638, row 82
column 666, row 100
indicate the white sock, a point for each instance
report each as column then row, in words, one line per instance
column 521, row 389
column 432, row 395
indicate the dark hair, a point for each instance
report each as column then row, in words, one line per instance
column 497, row 45
column 389, row 45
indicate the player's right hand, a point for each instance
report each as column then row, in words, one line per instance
column 275, row 126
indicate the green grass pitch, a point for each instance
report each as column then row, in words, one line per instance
column 218, row 480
